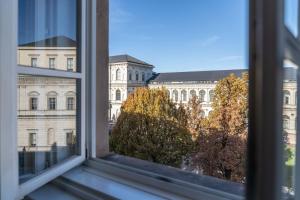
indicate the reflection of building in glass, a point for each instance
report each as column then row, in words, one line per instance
column 46, row 106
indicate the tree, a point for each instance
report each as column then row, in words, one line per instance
column 195, row 116
column 151, row 127
column 221, row 145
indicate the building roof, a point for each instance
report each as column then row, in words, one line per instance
column 57, row 41
column 194, row 76
column 127, row 58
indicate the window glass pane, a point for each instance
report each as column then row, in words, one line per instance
column 48, row 35
column 291, row 15
column 289, row 120
column 47, row 131
column 178, row 94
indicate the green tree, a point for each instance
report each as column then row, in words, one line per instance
column 152, row 127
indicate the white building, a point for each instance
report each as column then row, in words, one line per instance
column 126, row 73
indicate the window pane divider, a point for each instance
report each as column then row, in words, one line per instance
column 47, row 72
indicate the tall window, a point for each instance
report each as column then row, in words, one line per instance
column 286, row 122
column 202, row 95
column 183, row 95
column 286, row 97
column 50, row 136
column 52, row 103
column 70, row 103
column 175, row 95
column 33, row 103
column 192, row 93
column 118, row 95
column 34, row 62
column 130, row 76
column 143, row 76
column 136, row 76
column 70, row 64
column 118, row 74
column 69, row 138
column 211, row 95
column 52, row 63
column 32, row 139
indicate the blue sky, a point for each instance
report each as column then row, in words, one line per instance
column 40, row 19
column 181, row 35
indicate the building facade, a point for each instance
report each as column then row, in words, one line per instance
column 47, row 111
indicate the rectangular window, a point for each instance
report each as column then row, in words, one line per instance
column 70, row 103
column 34, row 62
column 52, row 63
column 69, row 138
column 52, row 103
column 33, row 103
column 70, row 64
column 32, row 139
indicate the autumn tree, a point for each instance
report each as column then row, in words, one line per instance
column 221, row 146
column 152, row 127
column 195, row 115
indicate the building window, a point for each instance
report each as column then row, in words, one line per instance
column 286, row 122
column 202, row 114
column 136, row 76
column 33, row 62
column 118, row 74
column 118, row 95
column 70, row 64
column 175, row 95
column 183, row 95
column 192, row 93
column 52, row 103
column 69, row 138
column 33, row 103
column 52, row 63
column 130, row 76
column 70, row 103
column 143, row 76
column 32, row 139
column 286, row 97
column 202, row 95
column 211, row 95
column 50, row 136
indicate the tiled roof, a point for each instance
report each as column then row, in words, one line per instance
column 57, row 41
column 126, row 58
column 289, row 74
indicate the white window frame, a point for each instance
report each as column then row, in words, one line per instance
column 10, row 187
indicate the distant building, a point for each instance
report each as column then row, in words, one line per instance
column 183, row 85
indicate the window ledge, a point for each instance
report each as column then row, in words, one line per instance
column 120, row 177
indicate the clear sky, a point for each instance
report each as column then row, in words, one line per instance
column 40, row 19
column 181, row 35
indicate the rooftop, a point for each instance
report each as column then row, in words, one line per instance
column 127, row 58
column 214, row 75
column 57, row 41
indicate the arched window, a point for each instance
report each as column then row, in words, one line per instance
column 202, row 95
column 118, row 95
column 50, row 136
column 183, row 95
column 136, row 75
column 211, row 95
column 175, row 95
column 130, row 75
column 143, row 76
column 286, row 122
column 118, row 74
column 286, row 97
column 192, row 93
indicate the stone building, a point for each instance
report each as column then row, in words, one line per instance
column 126, row 73
column 183, row 85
